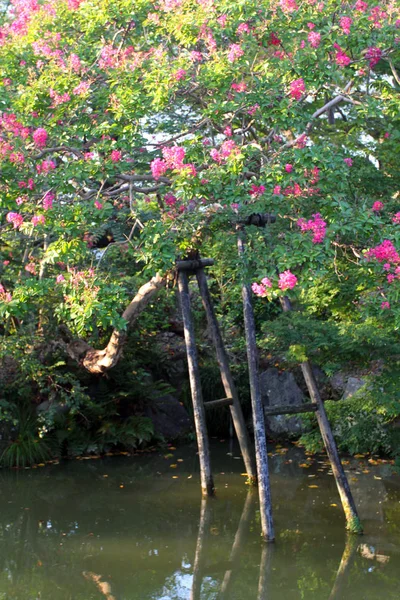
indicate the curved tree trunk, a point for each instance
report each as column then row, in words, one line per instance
column 99, row 361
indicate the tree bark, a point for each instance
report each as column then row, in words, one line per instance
column 99, row 361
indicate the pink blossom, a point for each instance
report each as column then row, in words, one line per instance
column 158, row 168
column 235, row 52
column 396, row 218
column 267, row 282
column 196, row 56
column 301, row 141
column 31, row 268
column 170, row 199
column 317, row 225
column 17, row 158
column 46, row 166
column 190, row 169
column 239, row 87
column 314, row 38
column 48, row 200
column 288, row 168
column 116, row 156
column 297, row 88
column 40, row 137
column 288, row 6
column 20, row 200
column 287, row 280
column 341, row 57
column 81, row 89
column 377, row 206
column 228, row 131
column 378, row 15
column 215, row 155
column 179, row 74
column 274, row 40
column 259, row 290
column 242, row 29
column 384, row 253
column 277, row 190
column 58, row 98
column 228, row 147
column 235, row 207
column 222, row 20
column 386, row 135
column 257, row 190
column 385, row 305
column 38, row 220
column 348, row 161
column 60, row 278
column 174, row 157
column 88, row 155
column 15, row 218
column 345, row 24
column 390, row 278
column 373, row 55
column 253, row 109
column 361, row 6
column 98, row 205
column 6, row 263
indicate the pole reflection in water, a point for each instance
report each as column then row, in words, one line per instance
column 204, row 527
column 265, row 571
column 349, row 554
column 242, row 531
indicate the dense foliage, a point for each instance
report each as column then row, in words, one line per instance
column 133, row 133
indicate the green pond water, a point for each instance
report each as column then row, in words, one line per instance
column 135, row 528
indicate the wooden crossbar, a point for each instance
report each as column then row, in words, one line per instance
column 194, row 265
column 290, row 410
column 218, row 403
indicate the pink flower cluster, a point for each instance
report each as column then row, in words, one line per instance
column 377, row 206
column 40, row 137
column 239, row 87
column 348, row 161
column 373, row 55
column 58, row 98
column 317, row 225
column 297, row 88
column 384, row 253
column 288, row 6
column 228, row 147
column 314, row 38
column 385, row 305
column 48, row 200
column 179, row 74
column 396, row 218
column 287, row 281
column 81, row 89
column 172, row 159
column 116, row 156
column 261, row 289
column 235, row 52
column 345, row 24
column 45, row 166
column 242, row 29
column 4, row 296
column 38, row 220
column 256, row 191
column 341, row 57
column 15, row 218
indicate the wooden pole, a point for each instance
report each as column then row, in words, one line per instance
column 227, row 379
column 264, row 491
column 353, row 523
column 207, row 484
column 204, row 526
column 237, row 547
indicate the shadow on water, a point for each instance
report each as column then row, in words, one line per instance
column 137, row 529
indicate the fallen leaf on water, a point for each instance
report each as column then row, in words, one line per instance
column 333, row 504
column 366, row 471
column 180, row 459
column 171, row 448
column 190, row 476
column 175, row 476
column 372, row 461
column 173, row 466
column 345, row 462
column 121, row 486
column 243, row 474
column 105, row 475
column 304, row 465
column 312, row 486
column 354, row 478
column 376, row 477
column 359, row 456
column 168, row 455
column 39, row 563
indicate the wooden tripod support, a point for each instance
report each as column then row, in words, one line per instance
column 185, row 268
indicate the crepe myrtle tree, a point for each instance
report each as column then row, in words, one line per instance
column 156, row 126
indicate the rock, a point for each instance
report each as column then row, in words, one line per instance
column 280, row 388
column 169, row 417
column 338, row 382
column 352, row 386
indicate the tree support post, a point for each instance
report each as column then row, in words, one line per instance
column 204, row 526
column 207, row 483
column 353, row 523
column 227, row 379
column 264, row 491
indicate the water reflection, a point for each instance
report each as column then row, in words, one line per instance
column 127, row 530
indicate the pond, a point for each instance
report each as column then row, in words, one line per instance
column 135, row 528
